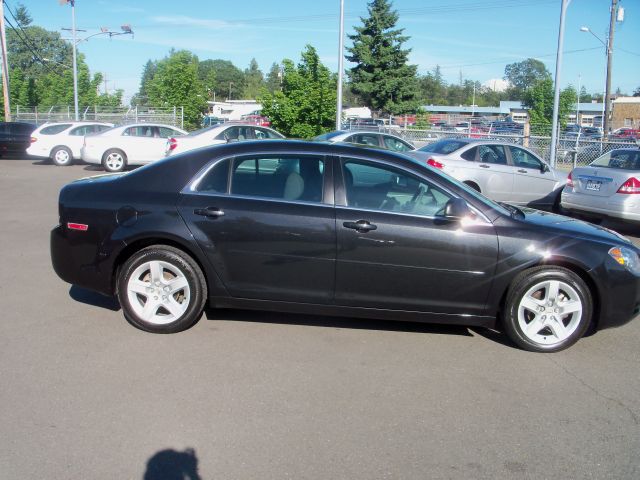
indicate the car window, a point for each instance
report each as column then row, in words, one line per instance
column 470, row 154
column 395, row 144
column 80, row 130
column 388, row 189
column 262, row 133
column 492, row 154
column 53, row 129
column 286, row 177
column 364, row 139
column 216, row 179
column 443, row 147
column 102, row 128
column 166, row 132
column 141, row 131
column 622, row 159
column 522, row 158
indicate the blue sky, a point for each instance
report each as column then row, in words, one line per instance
column 475, row 38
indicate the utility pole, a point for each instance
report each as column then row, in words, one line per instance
column 5, row 66
column 607, row 95
column 340, row 67
column 556, row 91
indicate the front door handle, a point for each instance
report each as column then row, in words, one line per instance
column 211, row 212
column 484, row 165
column 361, row 226
column 522, row 171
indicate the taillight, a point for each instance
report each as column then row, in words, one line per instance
column 435, row 163
column 570, row 180
column 172, row 143
column 33, row 139
column 630, row 187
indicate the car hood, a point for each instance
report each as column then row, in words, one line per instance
column 572, row 226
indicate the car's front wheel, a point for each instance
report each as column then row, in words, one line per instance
column 547, row 309
column 161, row 290
column 61, row 156
column 114, row 160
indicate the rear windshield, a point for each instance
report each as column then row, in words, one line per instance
column 443, row 146
column 53, row 129
column 328, row 136
column 622, row 159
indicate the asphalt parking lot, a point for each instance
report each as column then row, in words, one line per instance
column 251, row 395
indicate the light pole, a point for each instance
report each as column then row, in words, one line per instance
column 126, row 30
column 556, row 92
column 605, row 94
column 340, row 67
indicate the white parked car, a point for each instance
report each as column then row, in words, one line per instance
column 607, row 187
column 219, row 134
column 135, row 144
column 61, row 142
column 502, row 171
column 373, row 139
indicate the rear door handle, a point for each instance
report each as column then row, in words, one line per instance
column 211, row 212
column 522, row 171
column 484, row 165
column 360, row 226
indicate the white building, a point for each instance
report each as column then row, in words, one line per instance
column 233, row 109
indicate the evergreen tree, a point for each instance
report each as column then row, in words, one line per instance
column 274, row 80
column 382, row 76
column 254, row 80
column 149, row 71
column 306, row 105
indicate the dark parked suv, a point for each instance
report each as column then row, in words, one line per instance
column 15, row 137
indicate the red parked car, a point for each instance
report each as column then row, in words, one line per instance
column 626, row 133
column 255, row 119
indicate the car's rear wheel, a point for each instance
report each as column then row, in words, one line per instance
column 473, row 185
column 547, row 309
column 161, row 290
column 114, row 160
column 61, row 156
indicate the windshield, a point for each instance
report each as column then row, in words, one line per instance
column 622, row 159
column 444, row 147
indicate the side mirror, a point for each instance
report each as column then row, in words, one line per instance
column 544, row 168
column 456, row 208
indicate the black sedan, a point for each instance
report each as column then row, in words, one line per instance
column 338, row 230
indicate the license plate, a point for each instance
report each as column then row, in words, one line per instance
column 593, row 185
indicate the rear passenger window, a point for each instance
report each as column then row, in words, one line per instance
column 215, row 180
column 492, row 154
column 53, row 129
column 281, row 177
column 470, row 154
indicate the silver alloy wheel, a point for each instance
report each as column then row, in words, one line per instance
column 549, row 312
column 114, row 161
column 61, row 156
column 158, row 292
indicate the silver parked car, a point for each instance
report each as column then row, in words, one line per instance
column 609, row 186
column 373, row 139
column 502, row 171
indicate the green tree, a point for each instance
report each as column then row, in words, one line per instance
column 539, row 101
column 382, row 77
column 176, row 83
column 274, row 77
column 433, row 88
column 149, row 71
column 222, row 77
column 306, row 106
column 254, row 80
column 636, row 92
column 524, row 75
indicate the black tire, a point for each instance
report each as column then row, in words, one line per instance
column 542, row 336
column 61, row 156
column 114, row 160
column 134, row 304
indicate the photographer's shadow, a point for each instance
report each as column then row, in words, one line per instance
column 173, row 465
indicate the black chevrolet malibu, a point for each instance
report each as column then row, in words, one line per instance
column 338, row 230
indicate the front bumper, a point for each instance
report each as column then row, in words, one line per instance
column 90, row 155
column 619, row 295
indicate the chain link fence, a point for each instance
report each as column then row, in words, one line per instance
column 118, row 115
column 571, row 151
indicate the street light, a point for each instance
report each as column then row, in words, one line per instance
column 126, row 30
column 605, row 97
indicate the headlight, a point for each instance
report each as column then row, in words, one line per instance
column 626, row 257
